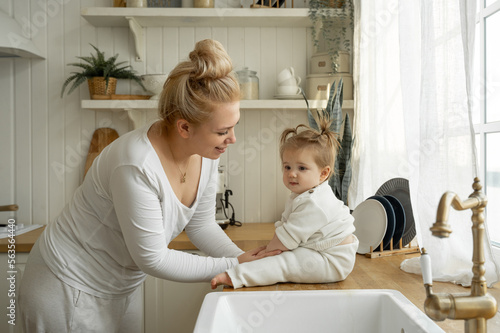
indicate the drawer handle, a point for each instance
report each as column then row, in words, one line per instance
column 322, row 88
column 322, row 64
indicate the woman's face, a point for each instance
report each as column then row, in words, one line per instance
column 213, row 137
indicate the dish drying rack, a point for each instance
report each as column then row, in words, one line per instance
column 409, row 248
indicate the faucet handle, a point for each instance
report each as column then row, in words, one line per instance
column 425, row 266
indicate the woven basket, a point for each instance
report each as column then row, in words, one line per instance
column 337, row 3
column 97, row 86
column 334, row 3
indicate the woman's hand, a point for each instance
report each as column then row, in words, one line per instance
column 257, row 253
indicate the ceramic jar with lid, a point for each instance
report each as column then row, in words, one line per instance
column 249, row 83
column 203, row 3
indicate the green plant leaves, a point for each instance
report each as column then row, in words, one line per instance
column 98, row 66
column 341, row 178
column 330, row 24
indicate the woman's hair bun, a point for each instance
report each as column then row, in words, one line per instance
column 210, row 60
column 196, row 84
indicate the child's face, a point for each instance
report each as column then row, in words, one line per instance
column 300, row 171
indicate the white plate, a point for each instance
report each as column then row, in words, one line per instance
column 298, row 96
column 371, row 224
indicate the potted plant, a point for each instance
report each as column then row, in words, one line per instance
column 100, row 73
column 342, row 172
column 330, row 19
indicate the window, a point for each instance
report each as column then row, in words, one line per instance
column 486, row 110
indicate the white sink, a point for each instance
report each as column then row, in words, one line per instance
column 312, row 311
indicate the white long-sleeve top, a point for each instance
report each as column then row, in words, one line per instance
column 314, row 219
column 117, row 227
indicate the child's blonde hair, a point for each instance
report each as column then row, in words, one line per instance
column 323, row 142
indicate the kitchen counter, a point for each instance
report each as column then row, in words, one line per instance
column 377, row 273
column 384, row 273
column 24, row 242
column 246, row 237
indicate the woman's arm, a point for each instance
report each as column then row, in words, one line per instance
column 202, row 229
column 140, row 216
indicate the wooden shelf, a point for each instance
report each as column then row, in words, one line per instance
column 197, row 17
column 143, row 111
column 269, row 104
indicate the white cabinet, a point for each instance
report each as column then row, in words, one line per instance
column 172, row 306
column 9, row 290
column 168, row 306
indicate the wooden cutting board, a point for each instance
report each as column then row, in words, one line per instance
column 101, row 138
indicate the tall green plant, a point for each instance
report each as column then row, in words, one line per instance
column 98, row 66
column 341, row 178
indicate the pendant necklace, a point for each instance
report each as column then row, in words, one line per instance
column 183, row 175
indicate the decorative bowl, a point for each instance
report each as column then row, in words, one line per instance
column 154, row 83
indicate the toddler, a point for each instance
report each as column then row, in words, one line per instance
column 316, row 229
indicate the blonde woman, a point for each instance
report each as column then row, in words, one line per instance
column 315, row 232
column 146, row 187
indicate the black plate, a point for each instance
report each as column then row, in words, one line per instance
column 391, row 221
column 399, row 212
column 399, row 188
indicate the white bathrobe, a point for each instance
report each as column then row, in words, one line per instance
column 312, row 226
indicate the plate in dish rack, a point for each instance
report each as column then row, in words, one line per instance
column 391, row 221
column 399, row 213
column 370, row 220
column 400, row 188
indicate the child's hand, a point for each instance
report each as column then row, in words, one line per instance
column 276, row 244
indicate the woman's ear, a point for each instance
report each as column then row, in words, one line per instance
column 325, row 172
column 184, row 128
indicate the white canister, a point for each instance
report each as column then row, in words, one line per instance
column 227, row 3
column 234, row 3
column 137, row 3
column 321, row 63
column 318, row 85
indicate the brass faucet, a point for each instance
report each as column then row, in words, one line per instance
column 478, row 306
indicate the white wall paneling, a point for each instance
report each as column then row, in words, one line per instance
column 45, row 138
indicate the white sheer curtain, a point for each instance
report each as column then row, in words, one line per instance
column 411, row 65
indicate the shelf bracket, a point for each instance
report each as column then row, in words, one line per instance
column 138, row 33
column 141, row 117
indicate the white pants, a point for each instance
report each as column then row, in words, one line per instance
column 49, row 305
column 301, row 265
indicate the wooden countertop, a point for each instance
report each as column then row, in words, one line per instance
column 246, row 237
column 377, row 273
column 24, row 242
